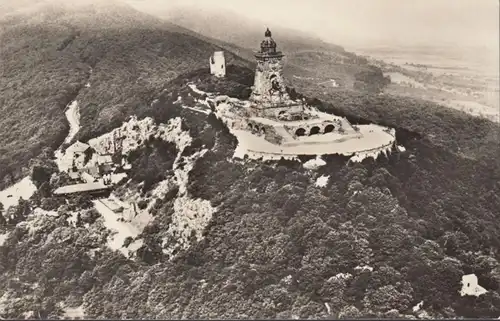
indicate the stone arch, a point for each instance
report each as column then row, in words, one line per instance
column 263, row 130
column 314, row 131
column 300, row 132
column 329, row 128
column 250, row 126
column 257, row 128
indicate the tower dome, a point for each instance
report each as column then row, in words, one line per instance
column 268, row 45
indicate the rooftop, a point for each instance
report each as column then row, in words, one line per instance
column 77, row 188
column 78, row 147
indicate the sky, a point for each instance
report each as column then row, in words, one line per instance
column 355, row 22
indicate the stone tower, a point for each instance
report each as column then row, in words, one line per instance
column 269, row 88
column 218, row 64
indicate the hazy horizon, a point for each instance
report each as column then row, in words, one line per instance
column 364, row 22
column 459, row 30
column 464, row 23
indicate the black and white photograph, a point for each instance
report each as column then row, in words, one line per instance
column 264, row 159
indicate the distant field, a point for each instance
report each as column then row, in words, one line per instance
column 465, row 79
column 446, row 58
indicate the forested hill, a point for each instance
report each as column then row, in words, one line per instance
column 379, row 239
column 112, row 60
column 109, row 57
column 306, row 55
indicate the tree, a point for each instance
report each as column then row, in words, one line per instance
column 333, row 292
column 52, row 203
column 128, row 240
column 455, row 243
column 388, row 297
column 40, row 174
column 42, row 167
column 22, row 210
column 117, row 157
column 79, row 222
column 81, row 202
column 349, row 312
column 151, row 252
column 88, row 155
column 44, row 190
column 60, row 179
column 3, row 221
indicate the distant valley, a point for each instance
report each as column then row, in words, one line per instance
column 463, row 78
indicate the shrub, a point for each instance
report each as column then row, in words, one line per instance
column 142, row 204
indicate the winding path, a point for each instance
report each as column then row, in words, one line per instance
column 73, row 116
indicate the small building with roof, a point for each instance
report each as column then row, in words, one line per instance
column 94, row 189
column 78, row 148
column 78, row 153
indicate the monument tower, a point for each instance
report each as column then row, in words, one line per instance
column 280, row 126
column 269, row 89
